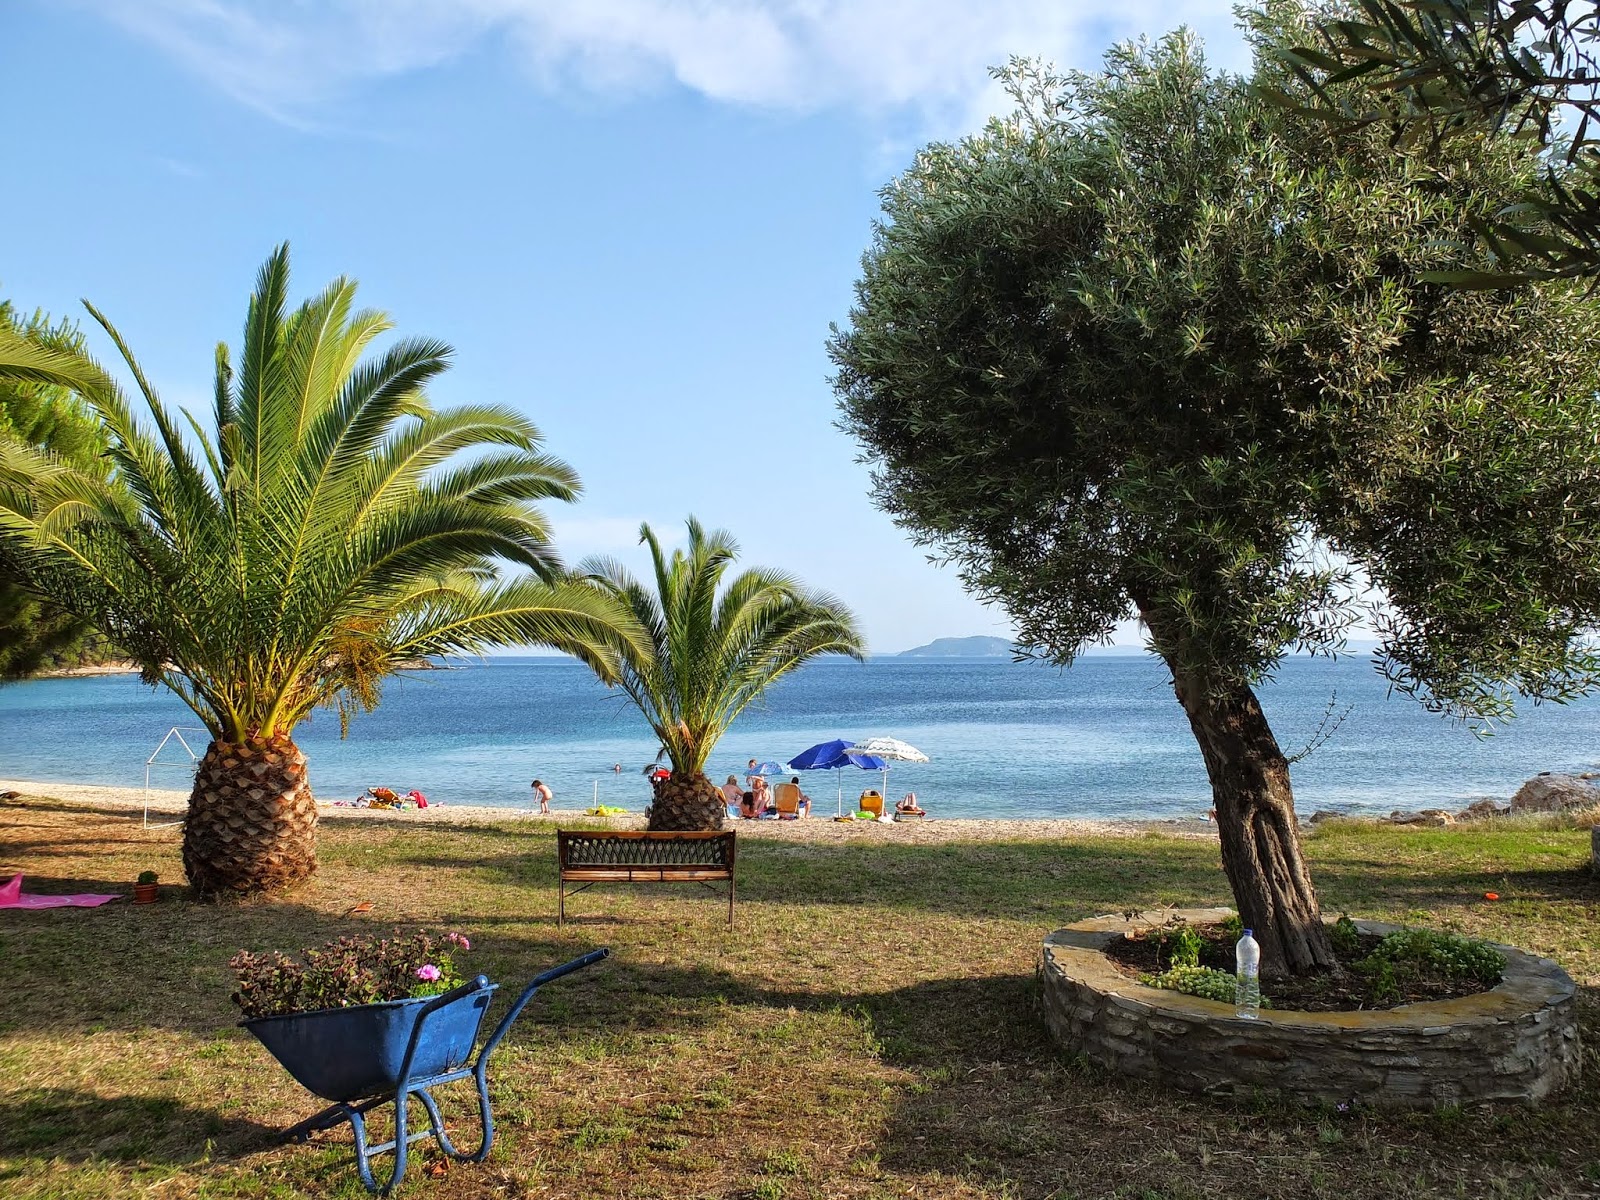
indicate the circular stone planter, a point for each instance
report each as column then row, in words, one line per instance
column 1517, row 1041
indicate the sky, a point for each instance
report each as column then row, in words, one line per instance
column 633, row 219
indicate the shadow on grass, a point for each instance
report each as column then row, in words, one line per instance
column 60, row 1123
column 981, row 879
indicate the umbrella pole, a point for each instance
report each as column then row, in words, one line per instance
column 840, row 778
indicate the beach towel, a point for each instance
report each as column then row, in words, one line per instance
column 12, row 896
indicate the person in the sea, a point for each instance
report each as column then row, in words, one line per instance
column 733, row 793
column 545, row 795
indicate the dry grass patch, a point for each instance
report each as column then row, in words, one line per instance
column 869, row 1029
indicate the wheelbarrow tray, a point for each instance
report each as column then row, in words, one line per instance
column 347, row 1054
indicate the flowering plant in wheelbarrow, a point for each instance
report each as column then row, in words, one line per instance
column 348, row 971
column 366, row 1021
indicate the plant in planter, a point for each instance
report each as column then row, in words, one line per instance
column 365, row 1021
column 146, row 889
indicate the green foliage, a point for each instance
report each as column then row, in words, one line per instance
column 1206, row 982
column 1344, row 935
column 710, row 648
column 35, row 634
column 1183, row 947
column 1428, row 70
column 1151, row 342
column 147, row 877
column 347, row 971
column 1411, row 952
column 1232, row 926
column 328, row 527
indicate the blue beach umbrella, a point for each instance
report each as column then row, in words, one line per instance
column 834, row 756
column 765, row 768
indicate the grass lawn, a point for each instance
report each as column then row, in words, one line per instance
column 869, row 1029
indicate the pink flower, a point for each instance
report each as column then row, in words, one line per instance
column 458, row 939
column 428, row 972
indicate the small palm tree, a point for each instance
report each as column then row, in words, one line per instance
column 707, row 656
column 331, row 527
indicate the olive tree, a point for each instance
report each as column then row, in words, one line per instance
column 1151, row 345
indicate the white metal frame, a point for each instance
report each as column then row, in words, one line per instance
column 177, row 731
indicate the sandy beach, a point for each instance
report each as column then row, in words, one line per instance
column 169, row 802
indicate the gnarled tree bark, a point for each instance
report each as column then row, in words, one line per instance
column 1260, row 837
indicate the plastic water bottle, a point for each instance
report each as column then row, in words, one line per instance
column 1247, row 977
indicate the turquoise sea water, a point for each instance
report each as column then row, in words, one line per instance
column 1105, row 738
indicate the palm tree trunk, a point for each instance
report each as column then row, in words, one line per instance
column 685, row 801
column 252, row 824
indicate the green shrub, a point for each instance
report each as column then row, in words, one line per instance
column 1183, row 947
column 1410, row 952
column 1233, row 927
column 1205, row 982
column 1344, row 935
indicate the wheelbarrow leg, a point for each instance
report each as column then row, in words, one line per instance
column 364, row 1153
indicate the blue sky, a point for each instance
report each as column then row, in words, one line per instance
column 634, row 219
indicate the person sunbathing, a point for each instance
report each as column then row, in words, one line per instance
column 907, row 805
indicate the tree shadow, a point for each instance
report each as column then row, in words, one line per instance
column 79, row 1126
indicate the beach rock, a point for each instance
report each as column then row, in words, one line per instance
column 1481, row 810
column 10, row 795
column 1428, row 816
column 1554, row 793
column 1324, row 814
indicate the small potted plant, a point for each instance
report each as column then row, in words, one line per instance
column 145, row 888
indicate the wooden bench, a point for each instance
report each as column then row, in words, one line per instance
column 587, row 857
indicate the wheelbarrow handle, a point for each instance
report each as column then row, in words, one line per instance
column 479, row 984
column 554, row 973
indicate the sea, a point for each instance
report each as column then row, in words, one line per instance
column 1104, row 738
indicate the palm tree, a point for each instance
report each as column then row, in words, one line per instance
column 331, row 527
column 708, row 655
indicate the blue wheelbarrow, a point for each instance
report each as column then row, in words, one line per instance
column 372, row 1054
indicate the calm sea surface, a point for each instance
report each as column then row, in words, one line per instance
column 1105, row 738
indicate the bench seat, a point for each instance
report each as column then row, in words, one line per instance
column 587, row 857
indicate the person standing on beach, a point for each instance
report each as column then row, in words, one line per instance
column 751, row 775
column 545, row 795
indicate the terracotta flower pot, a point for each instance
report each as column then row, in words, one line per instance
column 146, row 893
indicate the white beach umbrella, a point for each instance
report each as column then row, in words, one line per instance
column 888, row 747
column 890, row 750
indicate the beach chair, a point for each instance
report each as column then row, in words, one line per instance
column 787, row 797
column 872, row 802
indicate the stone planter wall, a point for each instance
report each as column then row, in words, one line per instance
column 1518, row 1041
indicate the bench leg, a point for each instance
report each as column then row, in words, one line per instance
column 730, row 902
column 561, row 905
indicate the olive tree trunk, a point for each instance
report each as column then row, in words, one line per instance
column 252, row 823
column 687, row 802
column 1260, row 838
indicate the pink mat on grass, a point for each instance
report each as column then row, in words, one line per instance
column 12, row 896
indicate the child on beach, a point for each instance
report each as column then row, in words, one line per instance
column 545, row 795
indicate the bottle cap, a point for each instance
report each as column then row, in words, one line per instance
column 1249, row 933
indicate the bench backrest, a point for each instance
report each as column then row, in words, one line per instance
column 644, row 848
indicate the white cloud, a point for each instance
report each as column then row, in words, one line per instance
column 291, row 58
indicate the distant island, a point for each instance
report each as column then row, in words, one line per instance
column 967, row 647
